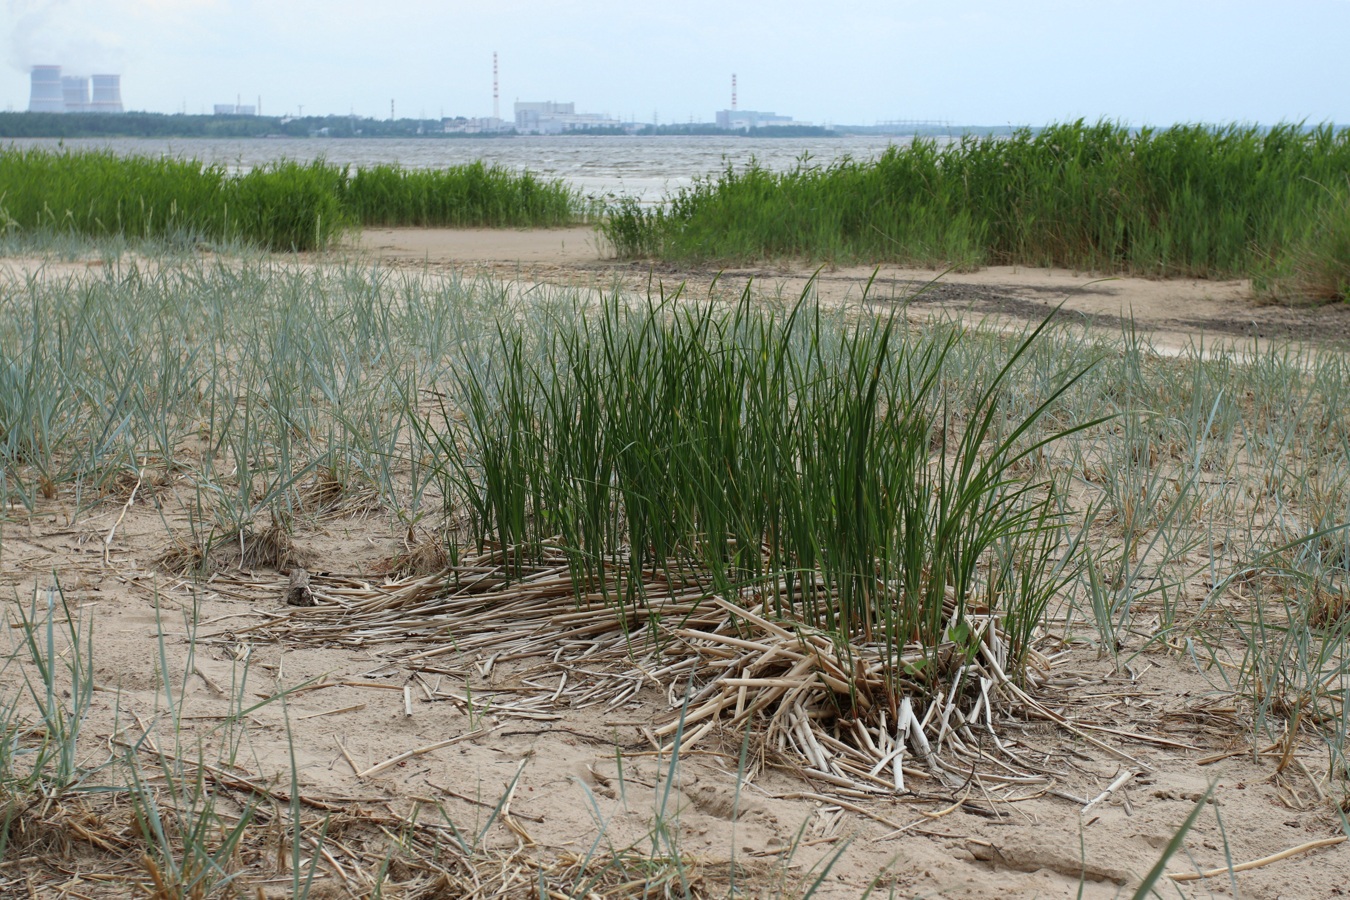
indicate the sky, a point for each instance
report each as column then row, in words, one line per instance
column 970, row 62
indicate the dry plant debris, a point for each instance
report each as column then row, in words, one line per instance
column 845, row 716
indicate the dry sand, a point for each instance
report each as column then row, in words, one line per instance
column 958, row 845
column 1176, row 312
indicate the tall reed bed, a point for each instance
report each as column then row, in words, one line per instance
column 281, row 206
column 1188, row 200
column 460, row 196
column 1320, row 267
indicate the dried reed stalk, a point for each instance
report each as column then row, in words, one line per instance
column 851, row 717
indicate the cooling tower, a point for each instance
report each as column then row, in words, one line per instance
column 75, row 92
column 47, row 95
column 107, row 94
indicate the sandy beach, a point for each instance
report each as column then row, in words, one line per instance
column 1175, row 312
column 1162, row 737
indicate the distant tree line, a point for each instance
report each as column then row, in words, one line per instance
column 713, row 128
column 681, row 128
column 140, row 124
column 790, row 131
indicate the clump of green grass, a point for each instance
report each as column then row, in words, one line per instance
column 460, row 196
column 101, row 194
column 1184, row 201
column 1321, row 261
column 285, row 205
column 747, row 446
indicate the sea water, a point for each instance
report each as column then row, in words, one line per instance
column 645, row 168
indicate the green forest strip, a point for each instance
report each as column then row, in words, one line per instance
column 160, row 125
column 31, row 125
column 1190, row 201
column 281, row 206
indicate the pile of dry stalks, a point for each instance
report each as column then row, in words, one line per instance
column 847, row 714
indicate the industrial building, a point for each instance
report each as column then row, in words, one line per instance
column 235, row 109
column 480, row 125
column 747, row 119
column 556, row 118
column 53, row 92
column 107, row 94
column 75, row 93
column 46, row 95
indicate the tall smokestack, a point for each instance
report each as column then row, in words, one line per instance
column 733, row 90
column 47, row 95
column 496, row 105
column 107, row 94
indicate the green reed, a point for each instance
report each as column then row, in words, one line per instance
column 460, row 196
column 747, row 446
column 1188, row 200
column 284, row 205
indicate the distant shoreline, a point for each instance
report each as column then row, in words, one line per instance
column 159, row 125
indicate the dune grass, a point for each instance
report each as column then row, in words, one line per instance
column 1188, row 201
column 878, row 485
column 284, row 205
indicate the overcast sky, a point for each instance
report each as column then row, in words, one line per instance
column 985, row 62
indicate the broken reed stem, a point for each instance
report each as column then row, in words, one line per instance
column 422, row 751
column 331, row 712
column 1110, row 789
column 779, row 666
column 1258, row 863
column 356, row 770
column 107, row 541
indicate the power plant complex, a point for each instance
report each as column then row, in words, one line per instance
column 56, row 93
column 53, row 92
